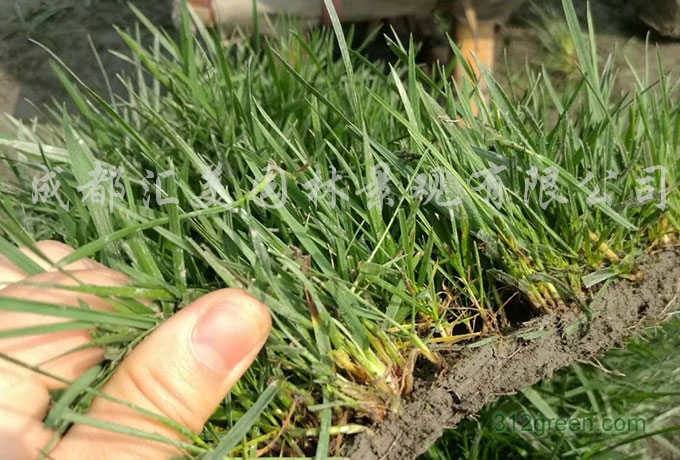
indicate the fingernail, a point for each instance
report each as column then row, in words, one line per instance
column 226, row 333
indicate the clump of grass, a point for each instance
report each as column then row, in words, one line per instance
column 554, row 36
column 358, row 293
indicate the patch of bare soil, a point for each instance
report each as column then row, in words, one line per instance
column 66, row 27
column 476, row 375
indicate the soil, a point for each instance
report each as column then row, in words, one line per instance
column 475, row 376
column 27, row 81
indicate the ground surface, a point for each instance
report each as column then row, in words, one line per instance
column 27, row 80
column 26, row 77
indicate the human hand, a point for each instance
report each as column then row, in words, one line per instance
column 181, row 371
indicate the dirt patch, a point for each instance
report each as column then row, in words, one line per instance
column 478, row 374
column 66, row 27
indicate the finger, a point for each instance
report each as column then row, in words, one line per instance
column 23, row 390
column 40, row 350
column 53, row 251
column 24, row 395
column 21, row 436
column 182, row 371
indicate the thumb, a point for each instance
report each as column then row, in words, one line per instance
column 182, row 371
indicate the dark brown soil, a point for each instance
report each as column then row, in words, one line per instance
column 475, row 376
column 66, row 27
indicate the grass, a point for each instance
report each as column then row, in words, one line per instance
column 552, row 32
column 358, row 294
